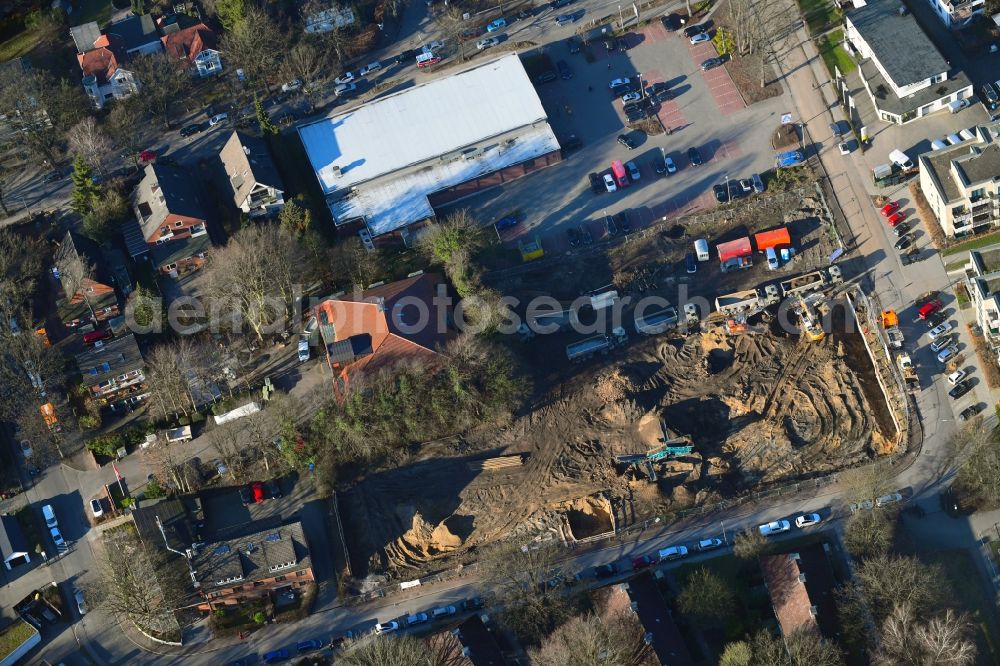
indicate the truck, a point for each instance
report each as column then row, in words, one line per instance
column 656, row 322
column 811, row 281
column 701, row 249
column 887, row 175
column 750, row 300
column 597, row 344
column 736, row 264
column 894, row 337
column 907, row 369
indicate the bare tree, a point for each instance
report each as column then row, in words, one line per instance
column 252, row 45
column 229, row 442
column 89, row 141
column 163, row 80
column 450, row 20
column 615, row 639
column 870, row 533
column 21, row 262
column 127, row 126
column 171, row 462
column 864, row 483
column 372, row 650
column 255, row 276
column 944, row 639
column 305, row 62
column 167, row 379
column 807, row 647
column 750, row 544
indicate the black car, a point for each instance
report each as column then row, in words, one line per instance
column 671, row 22
column 937, row 319
column 695, row 157
column 902, row 243
column 621, row 219
column 656, row 88
column 970, row 411
column 574, row 45
column 712, row 63
column 693, row 30
column 407, row 56
column 273, row 489
column 721, row 195
column 565, row 73
column 570, row 142
column 911, row 257
column 609, row 225
column 52, row 177
column 901, row 228
column 596, row 184
column 475, row 603
column 605, row 571
column 736, row 191
column 191, row 130
column 624, row 140
column 960, row 389
column 545, row 77
column 622, row 44
column 310, row 645
column 635, row 115
column 246, row 495
column 574, row 236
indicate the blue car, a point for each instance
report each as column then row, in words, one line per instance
column 277, row 656
column 692, row 265
column 309, row 646
column 506, row 222
column 790, row 159
column 497, row 24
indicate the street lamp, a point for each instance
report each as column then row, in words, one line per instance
column 638, row 75
column 621, row 18
column 729, row 194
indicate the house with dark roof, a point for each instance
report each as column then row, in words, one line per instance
column 801, row 586
column 195, row 46
column 112, row 370
column 904, row 73
column 138, row 34
column 662, row 633
column 173, row 524
column 13, row 545
column 383, row 325
column 248, row 567
column 170, row 225
column 255, row 181
column 479, row 644
column 88, row 290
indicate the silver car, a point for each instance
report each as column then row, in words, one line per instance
column 775, row 527
column 948, row 354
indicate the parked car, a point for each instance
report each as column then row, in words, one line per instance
column 947, row 354
column 690, row 263
column 670, row 166
column 81, row 602
column 693, row 30
column 709, row 544
column 700, row 37
column 291, row 86
column 970, row 411
column 53, row 176
column 939, row 331
column 712, row 63
column 407, row 56
column 694, row 157
column 309, row 645
column 775, row 527
column 369, row 68
column 386, row 627
column 626, row 141
column 671, row 22
column 346, row 77
column 487, row 43
column 900, row 228
column 218, row 119
column 902, row 242
column 940, row 344
column 619, row 83
column 609, row 183
column 596, row 184
column 57, row 537
column 673, row 553
column 631, row 97
column 896, row 218
column 889, row 208
column 891, row 498
column 443, row 611
column 496, row 24
column 721, row 193
column 643, row 561
column 49, row 514
column 344, row 89
column 273, row 489
column 565, row 19
column 246, row 495
column 633, row 171
column 574, row 45
column 605, row 571
column 957, row 376
column 192, row 129
column 864, row 505
column 277, row 656
column 416, row 618
column 257, row 488
column 961, row 389
column 622, row 220
column 807, row 520
column 96, row 508
column 565, row 73
column 758, row 184
column 570, row 142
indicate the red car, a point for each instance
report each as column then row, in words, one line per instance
column 929, row 308
column 896, row 218
column 258, row 492
column 890, row 208
column 643, row 562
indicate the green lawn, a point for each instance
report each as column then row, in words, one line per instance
column 18, row 45
column 833, row 53
column 820, row 15
column 972, row 596
column 93, row 10
column 974, row 244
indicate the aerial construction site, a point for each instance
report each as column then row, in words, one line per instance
column 680, row 408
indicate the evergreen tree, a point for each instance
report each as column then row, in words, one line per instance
column 85, row 191
column 267, row 126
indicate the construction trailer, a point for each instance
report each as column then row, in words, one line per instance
column 735, row 255
column 598, row 344
column 811, row 281
column 773, row 238
column 749, row 302
column 656, row 322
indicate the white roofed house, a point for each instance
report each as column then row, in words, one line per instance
column 256, row 184
column 385, row 165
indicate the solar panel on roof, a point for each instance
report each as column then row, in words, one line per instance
column 273, row 536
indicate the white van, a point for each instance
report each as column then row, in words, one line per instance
column 701, row 249
column 772, row 258
column 900, row 158
column 50, row 516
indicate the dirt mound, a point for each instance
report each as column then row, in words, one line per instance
column 422, row 542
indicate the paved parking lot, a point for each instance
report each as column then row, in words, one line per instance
column 732, row 141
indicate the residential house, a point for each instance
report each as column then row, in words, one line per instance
column 88, row 291
column 962, row 183
column 904, row 73
column 801, row 587
column 256, row 184
column 172, row 524
column 170, row 226
column 957, row 13
column 138, row 35
column 383, row 325
column 13, row 545
column 113, row 370
column 983, row 284
column 101, row 58
column 195, row 45
column 472, row 643
column 238, row 569
column 662, row 633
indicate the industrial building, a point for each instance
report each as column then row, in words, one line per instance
column 386, row 165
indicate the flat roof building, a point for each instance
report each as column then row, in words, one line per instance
column 386, row 164
column 904, row 73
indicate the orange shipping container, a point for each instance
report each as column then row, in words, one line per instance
column 772, row 238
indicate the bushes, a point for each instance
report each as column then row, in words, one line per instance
column 229, row 404
column 107, row 445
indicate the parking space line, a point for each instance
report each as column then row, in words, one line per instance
column 654, row 32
